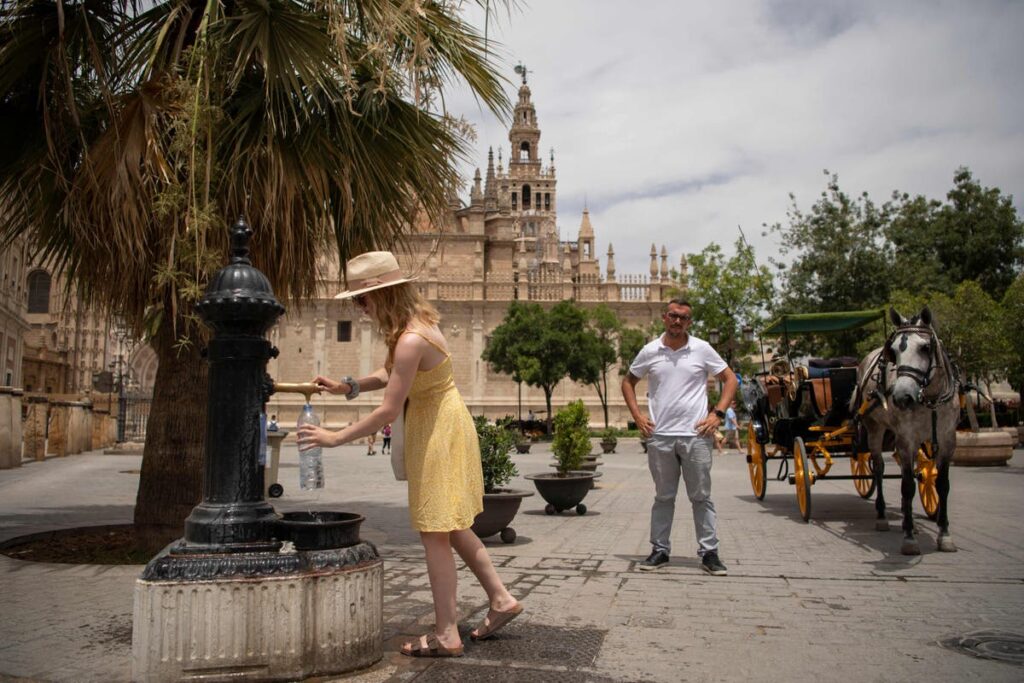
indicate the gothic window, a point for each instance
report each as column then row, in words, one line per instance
column 524, row 151
column 526, row 196
column 39, row 292
column 547, row 201
column 344, row 330
column 515, row 200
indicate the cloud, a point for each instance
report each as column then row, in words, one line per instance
column 679, row 121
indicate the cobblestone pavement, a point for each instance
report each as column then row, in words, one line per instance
column 833, row 599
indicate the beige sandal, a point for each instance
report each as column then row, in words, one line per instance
column 433, row 649
column 497, row 621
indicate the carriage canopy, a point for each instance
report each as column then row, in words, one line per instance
column 816, row 323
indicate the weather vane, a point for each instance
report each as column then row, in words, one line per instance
column 522, row 71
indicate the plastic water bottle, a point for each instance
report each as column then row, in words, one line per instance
column 311, row 467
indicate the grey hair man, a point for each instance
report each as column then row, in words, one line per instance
column 679, row 429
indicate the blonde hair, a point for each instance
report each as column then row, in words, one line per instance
column 395, row 308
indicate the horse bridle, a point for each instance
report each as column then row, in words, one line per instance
column 924, row 377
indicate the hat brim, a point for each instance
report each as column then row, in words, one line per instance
column 349, row 293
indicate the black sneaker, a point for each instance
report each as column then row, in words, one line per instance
column 656, row 559
column 712, row 565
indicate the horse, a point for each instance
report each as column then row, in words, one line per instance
column 910, row 383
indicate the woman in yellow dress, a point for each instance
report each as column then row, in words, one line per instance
column 442, row 454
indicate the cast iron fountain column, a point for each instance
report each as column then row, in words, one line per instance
column 239, row 306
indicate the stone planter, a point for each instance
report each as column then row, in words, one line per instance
column 563, row 492
column 608, row 445
column 983, row 449
column 500, row 508
column 523, row 447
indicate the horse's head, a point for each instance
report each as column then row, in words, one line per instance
column 912, row 350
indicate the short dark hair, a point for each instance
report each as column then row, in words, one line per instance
column 679, row 301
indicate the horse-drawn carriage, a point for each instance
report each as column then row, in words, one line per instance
column 812, row 415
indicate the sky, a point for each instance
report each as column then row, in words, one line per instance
column 679, row 122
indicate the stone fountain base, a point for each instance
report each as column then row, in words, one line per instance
column 258, row 617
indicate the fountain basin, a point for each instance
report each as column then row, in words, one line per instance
column 320, row 529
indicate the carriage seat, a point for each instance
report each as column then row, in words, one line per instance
column 820, row 367
column 775, row 388
column 830, row 396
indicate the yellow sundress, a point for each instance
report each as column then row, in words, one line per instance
column 442, row 453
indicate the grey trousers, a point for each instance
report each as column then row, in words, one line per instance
column 667, row 456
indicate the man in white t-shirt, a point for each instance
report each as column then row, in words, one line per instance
column 679, row 430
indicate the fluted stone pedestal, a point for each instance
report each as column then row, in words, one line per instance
column 279, row 617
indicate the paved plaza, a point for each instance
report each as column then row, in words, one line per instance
column 832, row 600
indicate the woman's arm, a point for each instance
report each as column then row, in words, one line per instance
column 408, row 354
column 378, row 379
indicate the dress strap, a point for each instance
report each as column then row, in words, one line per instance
column 429, row 341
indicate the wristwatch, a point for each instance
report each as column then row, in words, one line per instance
column 353, row 385
column 719, row 413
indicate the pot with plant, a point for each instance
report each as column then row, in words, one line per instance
column 500, row 504
column 609, row 440
column 523, row 443
column 568, row 486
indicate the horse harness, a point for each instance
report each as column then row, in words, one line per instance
column 921, row 377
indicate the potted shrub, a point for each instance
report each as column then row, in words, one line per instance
column 523, row 442
column 609, row 440
column 500, row 504
column 567, row 486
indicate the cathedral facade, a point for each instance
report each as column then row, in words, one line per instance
column 505, row 245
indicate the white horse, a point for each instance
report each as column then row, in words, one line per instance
column 911, row 384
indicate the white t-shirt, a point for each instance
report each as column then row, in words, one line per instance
column 677, row 383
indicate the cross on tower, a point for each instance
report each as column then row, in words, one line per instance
column 522, row 71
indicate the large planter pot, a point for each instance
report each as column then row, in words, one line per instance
column 563, row 491
column 523, row 447
column 500, row 509
column 983, row 449
column 608, row 446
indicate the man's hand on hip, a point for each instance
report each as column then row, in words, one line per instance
column 708, row 425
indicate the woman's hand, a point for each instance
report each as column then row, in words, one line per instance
column 331, row 386
column 311, row 436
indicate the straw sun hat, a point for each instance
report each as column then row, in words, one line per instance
column 370, row 271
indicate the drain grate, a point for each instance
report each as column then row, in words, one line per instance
column 474, row 673
column 1002, row 646
column 541, row 645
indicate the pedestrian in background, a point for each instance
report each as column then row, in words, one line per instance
column 732, row 432
column 385, row 447
column 680, row 429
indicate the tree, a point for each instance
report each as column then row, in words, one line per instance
column 132, row 133
column 596, row 352
column 727, row 294
column 837, row 260
column 1013, row 319
column 534, row 345
column 975, row 235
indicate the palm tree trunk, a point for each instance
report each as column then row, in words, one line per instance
column 171, row 483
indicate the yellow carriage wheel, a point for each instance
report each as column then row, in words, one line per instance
column 927, row 474
column 803, row 478
column 860, row 464
column 755, row 463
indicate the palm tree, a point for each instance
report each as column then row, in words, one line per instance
column 131, row 133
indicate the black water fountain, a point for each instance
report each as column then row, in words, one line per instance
column 231, row 599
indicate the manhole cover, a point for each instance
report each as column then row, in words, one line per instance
column 1002, row 646
column 472, row 673
column 538, row 644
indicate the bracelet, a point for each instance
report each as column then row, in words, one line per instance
column 353, row 389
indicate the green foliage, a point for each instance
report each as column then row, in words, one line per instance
column 1013, row 320
column 835, row 258
column 610, row 434
column 496, row 442
column 727, row 294
column 572, row 436
column 631, row 340
column 535, row 345
column 596, row 352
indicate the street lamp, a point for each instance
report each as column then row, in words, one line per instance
column 714, row 336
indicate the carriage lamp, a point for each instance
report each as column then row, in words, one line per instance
column 714, row 336
column 748, row 333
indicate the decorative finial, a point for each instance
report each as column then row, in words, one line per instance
column 240, row 234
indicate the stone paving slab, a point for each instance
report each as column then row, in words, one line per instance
column 833, row 599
